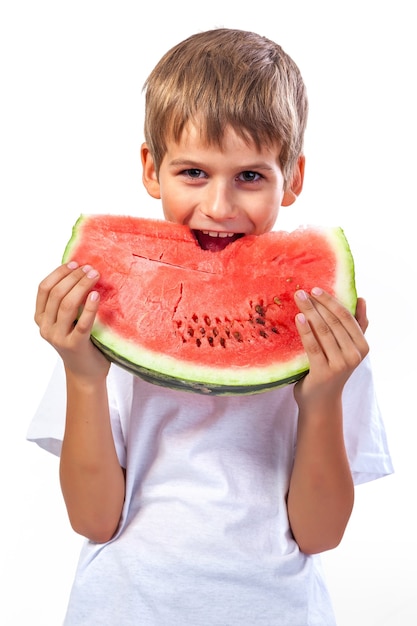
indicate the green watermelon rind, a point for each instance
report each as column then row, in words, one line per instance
column 345, row 287
column 192, row 377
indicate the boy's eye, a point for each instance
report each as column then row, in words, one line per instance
column 249, row 176
column 193, row 172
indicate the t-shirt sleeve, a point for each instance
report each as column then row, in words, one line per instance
column 364, row 430
column 47, row 425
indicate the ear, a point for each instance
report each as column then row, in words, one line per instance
column 149, row 176
column 296, row 186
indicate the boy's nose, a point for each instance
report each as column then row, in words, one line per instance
column 219, row 203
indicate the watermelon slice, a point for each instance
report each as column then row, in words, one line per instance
column 210, row 322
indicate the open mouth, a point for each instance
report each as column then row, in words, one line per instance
column 214, row 240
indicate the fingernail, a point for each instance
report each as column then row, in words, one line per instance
column 90, row 271
column 301, row 295
column 316, row 291
column 72, row 265
column 94, row 296
column 301, row 318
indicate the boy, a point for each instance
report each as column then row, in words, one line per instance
column 211, row 510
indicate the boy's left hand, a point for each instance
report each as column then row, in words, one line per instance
column 332, row 338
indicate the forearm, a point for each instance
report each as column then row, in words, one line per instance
column 321, row 493
column 92, row 480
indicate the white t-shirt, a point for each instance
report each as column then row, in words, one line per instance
column 204, row 538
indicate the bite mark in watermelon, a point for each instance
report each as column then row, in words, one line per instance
column 210, row 322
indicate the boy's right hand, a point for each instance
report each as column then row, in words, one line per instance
column 61, row 296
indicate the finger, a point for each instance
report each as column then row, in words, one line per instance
column 341, row 322
column 311, row 345
column 62, row 294
column 87, row 316
column 316, row 332
column 361, row 315
column 328, row 319
column 68, row 298
column 48, row 283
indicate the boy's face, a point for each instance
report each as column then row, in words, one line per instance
column 220, row 193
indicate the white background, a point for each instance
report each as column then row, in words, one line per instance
column 71, row 126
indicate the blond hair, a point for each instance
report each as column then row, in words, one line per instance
column 224, row 77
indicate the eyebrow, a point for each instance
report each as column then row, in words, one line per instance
column 183, row 162
column 261, row 165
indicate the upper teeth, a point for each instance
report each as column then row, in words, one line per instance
column 213, row 233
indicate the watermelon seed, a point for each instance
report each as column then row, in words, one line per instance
column 215, row 331
column 237, row 336
column 277, row 301
column 207, row 320
column 263, row 334
column 198, row 342
column 203, row 331
column 260, row 310
column 275, row 330
column 195, row 318
column 259, row 320
column 222, row 342
column 190, row 331
column 211, row 341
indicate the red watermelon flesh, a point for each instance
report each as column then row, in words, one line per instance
column 212, row 322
